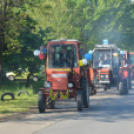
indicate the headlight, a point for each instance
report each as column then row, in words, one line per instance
column 102, row 76
column 47, row 84
column 70, row 85
column 106, row 75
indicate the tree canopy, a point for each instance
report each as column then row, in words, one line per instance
column 27, row 24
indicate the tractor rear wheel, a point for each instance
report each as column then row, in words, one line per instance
column 85, row 93
column 123, row 88
column 94, row 91
column 79, row 100
column 105, row 88
column 41, row 102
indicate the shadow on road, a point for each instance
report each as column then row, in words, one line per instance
column 110, row 109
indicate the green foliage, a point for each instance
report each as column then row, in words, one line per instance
column 30, row 24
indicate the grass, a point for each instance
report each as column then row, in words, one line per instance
column 21, row 103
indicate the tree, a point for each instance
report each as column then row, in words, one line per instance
column 2, row 33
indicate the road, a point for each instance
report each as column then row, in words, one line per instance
column 109, row 113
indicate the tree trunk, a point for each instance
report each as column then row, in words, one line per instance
column 28, row 80
column 1, row 56
column 2, row 34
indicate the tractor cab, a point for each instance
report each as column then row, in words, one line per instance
column 106, row 65
column 108, row 69
column 106, row 57
column 66, row 73
column 62, row 63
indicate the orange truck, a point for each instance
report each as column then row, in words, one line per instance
column 107, row 69
column 67, row 73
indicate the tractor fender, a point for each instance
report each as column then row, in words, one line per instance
column 123, row 73
column 90, row 75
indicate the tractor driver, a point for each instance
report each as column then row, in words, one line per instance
column 64, row 57
column 99, row 61
column 107, row 59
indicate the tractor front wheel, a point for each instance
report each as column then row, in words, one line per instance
column 79, row 100
column 105, row 88
column 41, row 102
column 94, row 91
column 50, row 103
column 123, row 88
column 85, row 92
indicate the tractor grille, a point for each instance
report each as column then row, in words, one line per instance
column 104, row 77
column 59, row 81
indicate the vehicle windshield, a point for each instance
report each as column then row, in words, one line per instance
column 105, row 59
column 62, row 56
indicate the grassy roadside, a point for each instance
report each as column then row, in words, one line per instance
column 21, row 103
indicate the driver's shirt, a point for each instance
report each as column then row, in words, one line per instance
column 108, row 61
column 64, row 56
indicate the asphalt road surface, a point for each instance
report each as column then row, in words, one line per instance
column 109, row 113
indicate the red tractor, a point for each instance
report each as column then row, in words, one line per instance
column 107, row 69
column 66, row 73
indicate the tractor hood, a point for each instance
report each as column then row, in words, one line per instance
column 59, row 79
column 105, row 70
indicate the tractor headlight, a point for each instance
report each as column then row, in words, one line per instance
column 102, row 76
column 106, row 75
column 70, row 85
column 47, row 84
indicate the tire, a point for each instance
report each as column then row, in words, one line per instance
column 79, row 100
column 129, row 79
column 93, row 91
column 11, row 78
column 90, row 89
column 50, row 103
column 7, row 93
column 41, row 102
column 123, row 88
column 35, row 78
column 22, row 91
column 129, row 83
column 85, row 92
column 105, row 88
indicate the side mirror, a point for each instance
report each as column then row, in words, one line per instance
column 88, row 56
